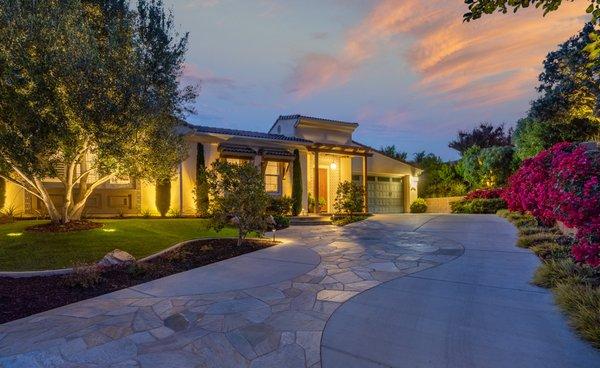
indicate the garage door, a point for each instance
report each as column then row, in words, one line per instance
column 385, row 194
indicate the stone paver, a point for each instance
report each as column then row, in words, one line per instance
column 264, row 309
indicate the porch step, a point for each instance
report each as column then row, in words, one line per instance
column 310, row 220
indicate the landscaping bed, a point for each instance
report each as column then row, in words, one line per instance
column 21, row 297
column 575, row 285
column 22, row 249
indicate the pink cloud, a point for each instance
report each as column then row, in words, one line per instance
column 191, row 74
column 489, row 61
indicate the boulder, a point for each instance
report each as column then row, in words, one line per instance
column 116, row 258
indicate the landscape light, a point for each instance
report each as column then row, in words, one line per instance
column 14, row 234
column 109, row 230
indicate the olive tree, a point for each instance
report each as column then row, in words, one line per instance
column 89, row 91
column 237, row 197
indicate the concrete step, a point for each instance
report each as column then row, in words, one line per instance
column 310, row 220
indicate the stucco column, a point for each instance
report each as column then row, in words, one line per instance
column 304, row 169
column 364, row 183
column 316, row 181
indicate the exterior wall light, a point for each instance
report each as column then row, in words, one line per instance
column 414, row 181
column 333, row 166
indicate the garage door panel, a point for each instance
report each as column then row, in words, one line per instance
column 385, row 195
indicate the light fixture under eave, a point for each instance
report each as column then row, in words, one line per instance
column 333, row 166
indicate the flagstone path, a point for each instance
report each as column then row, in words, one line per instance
column 264, row 309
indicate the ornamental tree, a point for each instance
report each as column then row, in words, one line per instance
column 237, row 197
column 349, row 198
column 89, row 91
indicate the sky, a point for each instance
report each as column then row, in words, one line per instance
column 410, row 72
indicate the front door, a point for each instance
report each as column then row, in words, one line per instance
column 323, row 192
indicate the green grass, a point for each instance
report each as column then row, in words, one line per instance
column 25, row 251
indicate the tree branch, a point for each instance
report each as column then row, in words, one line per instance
column 20, row 185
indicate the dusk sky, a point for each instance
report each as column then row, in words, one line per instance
column 409, row 71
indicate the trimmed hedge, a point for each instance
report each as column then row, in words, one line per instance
column 478, row 205
column 296, row 185
column 201, row 190
column 418, row 206
column 163, row 196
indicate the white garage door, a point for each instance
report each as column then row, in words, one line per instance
column 385, row 194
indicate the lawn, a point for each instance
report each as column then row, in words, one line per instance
column 23, row 251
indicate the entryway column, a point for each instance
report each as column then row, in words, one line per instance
column 316, row 182
column 364, row 183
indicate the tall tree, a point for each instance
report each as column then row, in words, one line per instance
column 477, row 8
column 296, row 185
column 393, row 152
column 483, row 136
column 88, row 92
column 569, row 90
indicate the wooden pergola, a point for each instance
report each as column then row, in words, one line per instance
column 349, row 150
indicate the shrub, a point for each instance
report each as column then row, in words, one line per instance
column 163, row 196
column 296, row 185
column 487, row 167
column 529, row 230
column 419, row 205
column 562, row 184
column 84, row 276
column 280, row 206
column 478, row 205
column 201, row 189
column 174, row 212
column 349, row 198
column 238, row 198
column 345, row 220
column 281, row 222
column 527, row 241
column 582, row 303
column 550, row 250
column 564, row 271
column 485, row 193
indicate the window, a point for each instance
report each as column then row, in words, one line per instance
column 272, row 177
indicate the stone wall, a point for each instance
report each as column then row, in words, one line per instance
column 441, row 204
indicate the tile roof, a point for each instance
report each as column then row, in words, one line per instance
column 246, row 133
column 298, row 116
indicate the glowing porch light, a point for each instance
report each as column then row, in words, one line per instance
column 333, row 166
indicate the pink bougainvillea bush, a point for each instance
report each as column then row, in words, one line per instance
column 562, row 184
column 485, row 194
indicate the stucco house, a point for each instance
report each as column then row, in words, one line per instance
column 328, row 155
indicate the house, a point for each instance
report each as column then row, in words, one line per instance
column 328, row 155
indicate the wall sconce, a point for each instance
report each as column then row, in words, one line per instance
column 414, row 181
column 333, row 166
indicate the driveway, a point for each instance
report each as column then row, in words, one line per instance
column 397, row 290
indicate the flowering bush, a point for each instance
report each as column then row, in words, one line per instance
column 562, row 184
column 485, row 194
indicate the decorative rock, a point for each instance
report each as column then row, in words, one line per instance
column 116, row 258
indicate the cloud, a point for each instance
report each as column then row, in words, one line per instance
column 193, row 75
column 489, row 61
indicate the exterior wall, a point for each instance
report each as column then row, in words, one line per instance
column 14, row 198
column 441, row 204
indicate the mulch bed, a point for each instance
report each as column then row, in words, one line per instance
column 23, row 297
column 64, row 228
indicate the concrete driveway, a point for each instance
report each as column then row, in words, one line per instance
column 477, row 311
column 397, row 291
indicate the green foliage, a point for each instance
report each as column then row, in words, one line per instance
column 533, row 136
column 439, row 178
column 88, row 79
column 238, row 197
column 296, row 185
column 201, row 189
column 551, row 251
column 393, row 152
column 477, row 8
column 478, row 205
column 349, row 198
column 552, row 273
column 2, row 192
column 483, row 136
column 568, row 86
column 163, row 196
column 487, row 168
column 581, row 303
column 280, row 206
column 419, row 205
column 528, row 241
